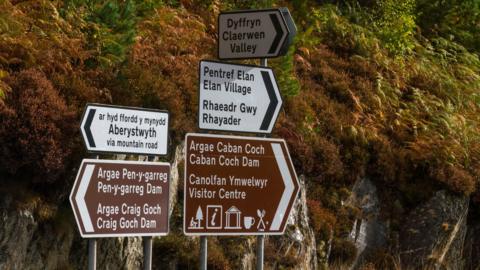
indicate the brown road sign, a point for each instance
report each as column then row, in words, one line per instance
column 113, row 198
column 237, row 185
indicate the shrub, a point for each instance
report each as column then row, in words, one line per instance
column 343, row 252
column 38, row 126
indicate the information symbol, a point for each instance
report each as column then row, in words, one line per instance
column 214, row 217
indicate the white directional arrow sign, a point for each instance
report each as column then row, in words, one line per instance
column 117, row 129
column 251, row 34
column 237, row 185
column 237, row 98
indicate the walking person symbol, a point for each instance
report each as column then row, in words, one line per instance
column 261, row 223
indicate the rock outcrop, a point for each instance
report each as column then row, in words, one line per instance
column 433, row 234
column 472, row 248
column 302, row 234
column 26, row 243
column 179, row 158
column 298, row 242
column 369, row 231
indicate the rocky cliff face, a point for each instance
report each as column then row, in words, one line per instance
column 434, row 233
column 175, row 175
column 369, row 231
column 300, row 234
column 297, row 245
column 27, row 243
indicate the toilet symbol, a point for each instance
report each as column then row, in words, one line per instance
column 214, row 217
column 261, row 223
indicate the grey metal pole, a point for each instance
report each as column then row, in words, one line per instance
column 261, row 238
column 203, row 252
column 92, row 249
column 260, row 249
column 148, row 242
column 147, row 253
column 92, row 254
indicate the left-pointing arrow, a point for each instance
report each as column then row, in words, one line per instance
column 86, row 128
column 80, row 198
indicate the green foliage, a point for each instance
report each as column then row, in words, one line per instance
column 395, row 24
column 110, row 26
column 455, row 20
column 392, row 22
column 285, row 74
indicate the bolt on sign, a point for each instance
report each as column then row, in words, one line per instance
column 239, row 98
column 251, row 34
column 114, row 198
column 129, row 130
column 237, row 185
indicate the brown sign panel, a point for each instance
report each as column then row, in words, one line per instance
column 114, row 198
column 237, row 185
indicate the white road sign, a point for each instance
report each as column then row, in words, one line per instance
column 117, row 129
column 251, row 34
column 237, row 98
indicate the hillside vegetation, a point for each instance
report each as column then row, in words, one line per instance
column 386, row 90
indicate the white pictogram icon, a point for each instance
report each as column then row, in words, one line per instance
column 196, row 223
column 214, row 216
column 232, row 217
column 248, row 222
column 261, row 224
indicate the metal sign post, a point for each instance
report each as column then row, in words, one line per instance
column 112, row 198
column 261, row 238
column 148, row 243
column 240, row 185
column 92, row 254
column 147, row 252
column 92, row 251
column 260, row 251
column 203, row 252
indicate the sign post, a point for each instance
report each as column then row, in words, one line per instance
column 237, row 185
column 125, row 130
column 92, row 254
column 261, row 238
column 203, row 252
column 148, row 244
column 238, row 98
column 116, row 198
